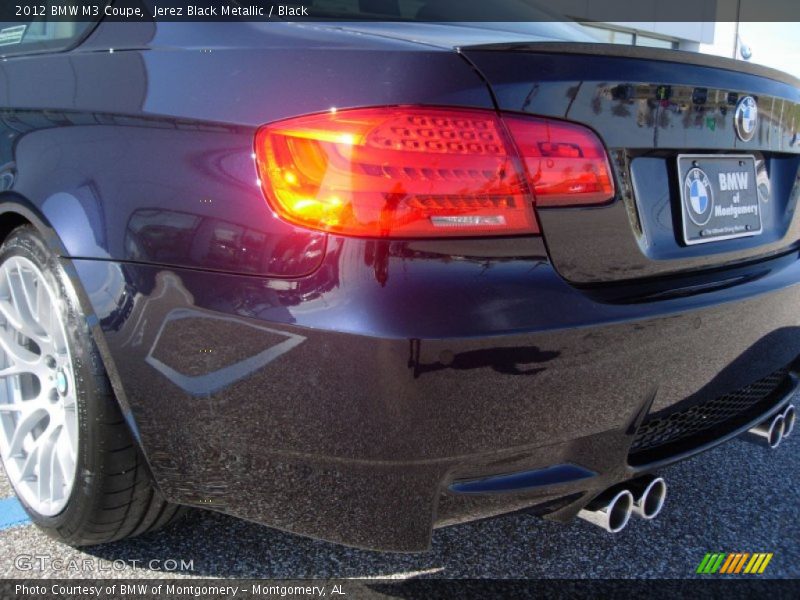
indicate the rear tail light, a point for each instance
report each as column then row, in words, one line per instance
column 565, row 164
column 426, row 172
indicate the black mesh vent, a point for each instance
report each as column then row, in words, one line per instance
column 667, row 429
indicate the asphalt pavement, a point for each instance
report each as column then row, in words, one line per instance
column 739, row 497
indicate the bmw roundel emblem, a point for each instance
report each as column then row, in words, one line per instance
column 745, row 118
column 699, row 197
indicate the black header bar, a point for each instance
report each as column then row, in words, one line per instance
column 648, row 11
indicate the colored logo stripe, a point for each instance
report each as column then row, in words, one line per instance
column 729, row 561
column 704, row 563
column 733, row 562
column 740, row 564
column 758, row 563
column 711, row 563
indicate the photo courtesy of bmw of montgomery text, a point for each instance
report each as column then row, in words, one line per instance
column 361, row 280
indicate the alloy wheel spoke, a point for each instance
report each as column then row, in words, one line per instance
column 45, row 466
column 23, row 406
column 25, row 426
column 14, row 297
column 64, row 457
column 70, row 431
column 21, row 286
column 46, row 317
column 39, row 404
column 10, row 313
column 11, row 370
column 54, row 476
column 17, row 352
column 28, row 470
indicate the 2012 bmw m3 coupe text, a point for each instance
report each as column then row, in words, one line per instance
column 361, row 280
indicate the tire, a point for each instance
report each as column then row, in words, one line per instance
column 111, row 494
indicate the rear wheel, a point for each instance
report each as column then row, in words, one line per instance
column 65, row 445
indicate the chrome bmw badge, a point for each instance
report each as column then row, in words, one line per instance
column 698, row 195
column 745, row 119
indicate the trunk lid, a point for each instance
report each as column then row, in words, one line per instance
column 650, row 107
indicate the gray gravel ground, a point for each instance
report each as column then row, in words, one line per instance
column 739, row 497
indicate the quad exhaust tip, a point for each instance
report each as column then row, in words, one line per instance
column 610, row 512
column 649, row 494
column 773, row 430
column 645, row 496
column 789, row 418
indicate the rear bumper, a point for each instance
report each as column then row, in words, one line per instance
column 572, row 487
column 346, row 406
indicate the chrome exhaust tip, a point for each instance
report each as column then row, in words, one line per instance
column 789, row 418
column 610, row 513
column 771, row 430
column 649, row 494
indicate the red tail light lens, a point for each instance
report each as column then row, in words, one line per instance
column 395, row 172
column 421, row 172
column 565, row 164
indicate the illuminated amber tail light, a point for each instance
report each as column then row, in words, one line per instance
column 408, row 172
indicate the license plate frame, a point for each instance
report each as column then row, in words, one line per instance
column 718, row 184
